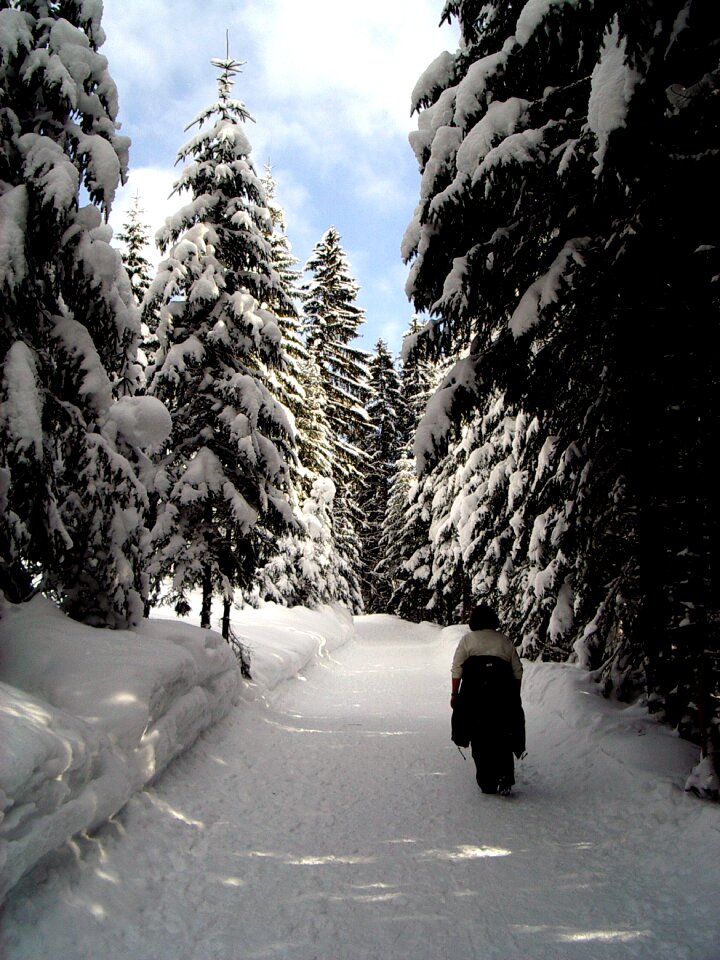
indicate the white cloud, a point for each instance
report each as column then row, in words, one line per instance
column 352, row 64
column 366, row 56
column 304, row 229
column 329, row 84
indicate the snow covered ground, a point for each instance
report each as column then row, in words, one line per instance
column 330, row 817
column 89, row 716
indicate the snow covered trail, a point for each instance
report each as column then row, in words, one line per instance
column 333, row 820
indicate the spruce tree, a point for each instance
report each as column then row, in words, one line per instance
column 308, row 569
column 225, row 482
column 412, row 592
column 134, row 237
column 71, row 505
column 315, row 439
column 288, row 377
column 385, row 412
column 332, row 320
column 563, row 237
column 405, row 542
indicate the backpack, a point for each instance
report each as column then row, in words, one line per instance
column 488, row 702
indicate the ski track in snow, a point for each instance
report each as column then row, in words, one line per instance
column 332, row 819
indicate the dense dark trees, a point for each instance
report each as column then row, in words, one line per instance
column 563, row 244
column 385, row 411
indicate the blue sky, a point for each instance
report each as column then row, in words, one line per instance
column 328, row 84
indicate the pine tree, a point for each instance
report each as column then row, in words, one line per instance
column 308, row 569
column 565, row 149
column 412, row 594
column 405, row 542
column 134, row 237
column 331, row 322
column 288, row 385
column 385, row 412
column 71, row 505
column 448, row 581
column 226, row 485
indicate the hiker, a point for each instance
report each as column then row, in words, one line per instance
column 487, row 710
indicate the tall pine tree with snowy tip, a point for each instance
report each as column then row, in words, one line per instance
column 134, row 237
column 385, row 409
column 332, row 319
column 224, row 480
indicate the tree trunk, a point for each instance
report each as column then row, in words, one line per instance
column 206, row 608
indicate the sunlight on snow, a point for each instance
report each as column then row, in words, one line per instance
column 388, row 733
column 177, row 814
column 371, row 898
column 122, row 698
column 565, row 935
column 310, row 860
column 604, row 936
column 330, row 858
column 289, row 728
column 466, row 852
column 32, row 710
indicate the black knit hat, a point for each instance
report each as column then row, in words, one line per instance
column 484, row 618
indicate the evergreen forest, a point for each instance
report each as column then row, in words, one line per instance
column 543, row 443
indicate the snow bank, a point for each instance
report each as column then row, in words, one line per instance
column 283, row 640
column 90, row 716
column 571, row 719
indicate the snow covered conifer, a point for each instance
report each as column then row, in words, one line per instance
column 405, row 540
column 384, row 411
column 308, row 569
column 134, row 238
column 565, row 152
column 283, row 259
column 72, row 506
column 332, row 320
column 225, row 482
column 314, row 435
column 285, row 307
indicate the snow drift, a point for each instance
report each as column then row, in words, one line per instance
column 90, row 716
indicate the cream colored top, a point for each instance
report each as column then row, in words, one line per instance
column 486, row 643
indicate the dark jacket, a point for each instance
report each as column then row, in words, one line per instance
column 488, row 704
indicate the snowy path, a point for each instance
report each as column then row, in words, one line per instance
column 333, row 820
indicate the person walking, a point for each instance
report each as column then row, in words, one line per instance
column 485, row 700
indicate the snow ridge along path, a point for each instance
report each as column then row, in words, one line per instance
column 332, row 819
